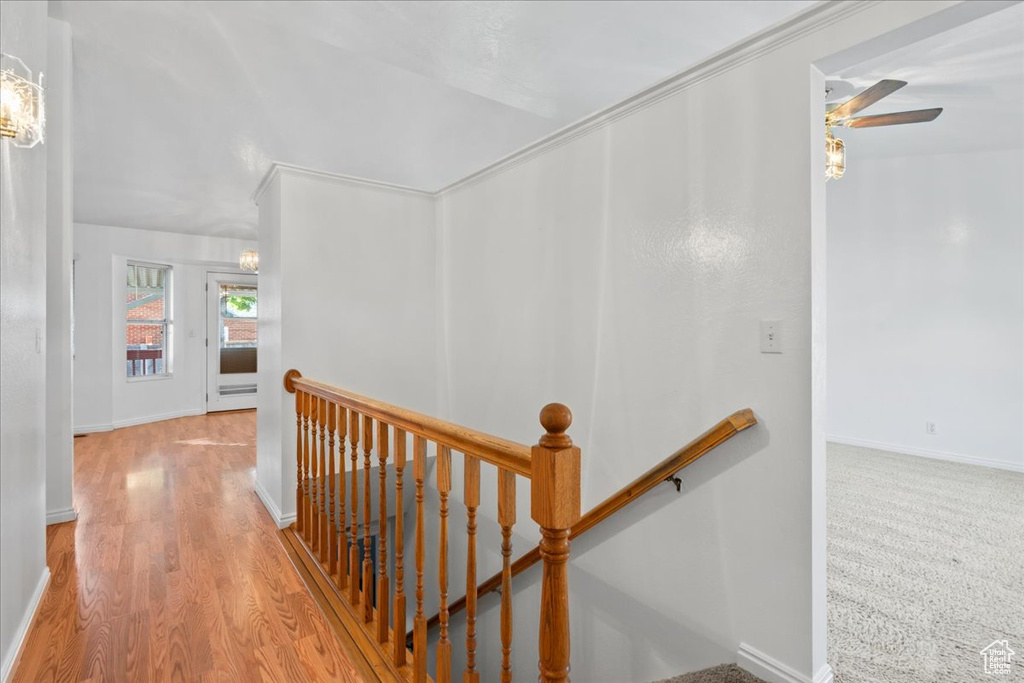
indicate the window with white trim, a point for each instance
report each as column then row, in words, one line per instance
column 148, row 325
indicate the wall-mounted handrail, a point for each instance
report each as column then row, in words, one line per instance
column 663, row 471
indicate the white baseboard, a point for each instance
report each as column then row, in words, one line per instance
column 824, row 675
column 282, row 521
column 135, row 421
column 61, row 516
column 92, row 429
column 774, row 671
column 160, row 417
column 18, row 642
column 927, row 453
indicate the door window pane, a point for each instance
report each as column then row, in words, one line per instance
column 238, row 315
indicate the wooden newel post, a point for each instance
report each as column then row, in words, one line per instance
column 555, row 506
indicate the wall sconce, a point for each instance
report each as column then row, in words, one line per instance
column 835, row 156
column 249, row 260
column 22, row 104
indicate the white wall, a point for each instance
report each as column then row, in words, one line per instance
column 346, row 297
column 104, row 397
column 272, row 417
column 23, row 228
column 926, row 306
column 59, row 216
column 625, row 274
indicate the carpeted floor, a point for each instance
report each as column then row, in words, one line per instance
column 724, row 673
column 925, row 568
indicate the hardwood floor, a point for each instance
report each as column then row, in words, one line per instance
column 173, row 570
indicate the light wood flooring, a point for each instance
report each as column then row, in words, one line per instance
column 174, row 570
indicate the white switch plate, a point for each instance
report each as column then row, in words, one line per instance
column 930, row 428
column 771, row 336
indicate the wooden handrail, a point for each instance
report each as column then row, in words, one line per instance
column 495, row 450
column 709, row 440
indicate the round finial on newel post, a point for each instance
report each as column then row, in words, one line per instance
column 289, row 377
column 556, row 419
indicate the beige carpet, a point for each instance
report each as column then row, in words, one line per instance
column 925, row 568
column 724, row 673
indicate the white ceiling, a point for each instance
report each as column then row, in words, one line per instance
column 975, row 72
column 180, row 106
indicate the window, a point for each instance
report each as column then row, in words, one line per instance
column 148, row 325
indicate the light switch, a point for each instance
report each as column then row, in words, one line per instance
column 771, row 336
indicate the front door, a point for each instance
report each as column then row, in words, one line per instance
column 231, row 342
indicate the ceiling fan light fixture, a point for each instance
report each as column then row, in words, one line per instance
column 835, row 157
column 843, row 115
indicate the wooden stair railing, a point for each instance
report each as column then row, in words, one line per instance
column 325, row 541
column 662, row 472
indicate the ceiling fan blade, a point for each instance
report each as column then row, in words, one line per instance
column 919, row 116
column 866, row 98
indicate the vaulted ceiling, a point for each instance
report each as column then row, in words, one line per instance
column 179, row 107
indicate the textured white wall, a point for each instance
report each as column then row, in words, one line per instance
column 59, row 243
column 22, row 352
column 625, row 274
column 926, row 306
column 348, row 289
column 104, row 397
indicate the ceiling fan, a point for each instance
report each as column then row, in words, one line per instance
column 843, row 115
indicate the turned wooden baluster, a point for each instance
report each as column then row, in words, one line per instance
column 383, row 591
column 341, row 521
column 332, row 493
column 322, row 480
column 419, row 649
column 555, row 506
column 307, row 471
column 317, row 472
column 472, row 496
column 507, row 519
column 400, row 650
column 367, row 555
column 353, row 550
column 444, row 485
column 300, row 463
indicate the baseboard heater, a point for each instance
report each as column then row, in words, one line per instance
column 236, row 389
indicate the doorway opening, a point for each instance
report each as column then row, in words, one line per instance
column 919, row 345
column 231, row 341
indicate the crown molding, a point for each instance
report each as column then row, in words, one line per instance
column 814, row 18
column 279, row 168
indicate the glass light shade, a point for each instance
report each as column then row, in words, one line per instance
column 249, row 260
column 22, row 104
column 835, row 157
